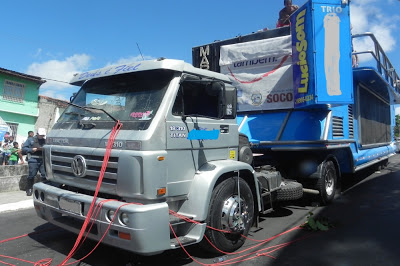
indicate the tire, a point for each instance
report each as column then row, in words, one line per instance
column 290, row 190
column 222, row 215
column 327, row 184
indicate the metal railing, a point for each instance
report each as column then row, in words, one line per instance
column 383, row 64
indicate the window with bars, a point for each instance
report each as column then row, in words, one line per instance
column 14, row 129
column 13, row 91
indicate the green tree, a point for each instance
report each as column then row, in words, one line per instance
column 397, row 127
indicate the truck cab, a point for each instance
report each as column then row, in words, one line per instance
column 153, row 145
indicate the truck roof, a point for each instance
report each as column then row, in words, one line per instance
column 161, row 63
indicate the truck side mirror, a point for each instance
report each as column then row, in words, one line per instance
column 230, row 102
column 72, row 97
column 226, row 98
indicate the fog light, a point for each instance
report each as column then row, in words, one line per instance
column 124, row 218
column 36, row 193
column 42, row 196
column 110, row 215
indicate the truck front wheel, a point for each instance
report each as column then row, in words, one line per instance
column 230, row 216
column 327, row 184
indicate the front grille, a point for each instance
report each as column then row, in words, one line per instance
column 61, row 165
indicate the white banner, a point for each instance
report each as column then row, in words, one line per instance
column 261, row 71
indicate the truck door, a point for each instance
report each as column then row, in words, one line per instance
column 197, row 132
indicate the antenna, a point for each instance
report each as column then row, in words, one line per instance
column 140, row 51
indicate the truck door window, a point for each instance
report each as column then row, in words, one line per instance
column 193, row 99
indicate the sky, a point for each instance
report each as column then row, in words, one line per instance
column 56, row 39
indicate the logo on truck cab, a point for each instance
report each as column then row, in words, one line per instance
column 78, row 166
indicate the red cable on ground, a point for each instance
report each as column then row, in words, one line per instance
column 8, row 257
column 29, row 234
column 234, row 260
column 94, row 210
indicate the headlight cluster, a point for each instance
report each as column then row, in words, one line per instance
column 123, row 217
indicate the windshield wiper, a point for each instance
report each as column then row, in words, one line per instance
column 74, row 113
column 94, row 108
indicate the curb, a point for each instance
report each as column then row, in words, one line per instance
column 20, row 205
column 12, row 183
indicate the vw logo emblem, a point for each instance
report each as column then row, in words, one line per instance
column 78, row 166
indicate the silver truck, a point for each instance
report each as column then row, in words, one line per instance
column 177, row 159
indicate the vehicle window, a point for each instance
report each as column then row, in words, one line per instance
column 197, row 101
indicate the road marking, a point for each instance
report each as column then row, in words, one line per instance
column 25, row 204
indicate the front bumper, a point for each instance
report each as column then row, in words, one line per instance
column 148, row 225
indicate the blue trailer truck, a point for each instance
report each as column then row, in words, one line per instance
column 305, row 104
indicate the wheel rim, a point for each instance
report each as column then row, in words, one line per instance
column 329, row 182
column 233, row 218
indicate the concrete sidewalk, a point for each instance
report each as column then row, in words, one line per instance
column 15, row 200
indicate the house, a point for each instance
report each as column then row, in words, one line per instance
column 19, row 102
column 50, row 110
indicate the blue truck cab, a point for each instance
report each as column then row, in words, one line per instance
column 326, row 114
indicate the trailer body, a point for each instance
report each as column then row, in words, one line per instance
column 304, row 104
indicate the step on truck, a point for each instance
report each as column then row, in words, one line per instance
column 309, row 104
column 181, row 169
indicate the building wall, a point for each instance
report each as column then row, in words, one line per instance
column 25, row 123
column 25, row 113
column 49, row 111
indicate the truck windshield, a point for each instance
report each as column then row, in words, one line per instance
column 132, row 98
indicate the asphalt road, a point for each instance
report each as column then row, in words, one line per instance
column 365, row 231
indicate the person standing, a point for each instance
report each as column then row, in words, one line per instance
column 30, row 134
column 1, row 153
column 15, row 154
column 33, row 148
column 285, row 13
column 6, row 152
column 6, row 137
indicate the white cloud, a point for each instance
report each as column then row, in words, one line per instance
column 59, row 70
column 131, row 59
column 63, row 71
column 368, row 16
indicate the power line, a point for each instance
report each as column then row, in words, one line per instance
column 57, row 80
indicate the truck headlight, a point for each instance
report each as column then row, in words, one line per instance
column 124, row 218
column 110, row 215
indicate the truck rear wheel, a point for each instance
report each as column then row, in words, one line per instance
column 327, row 184
column 229, row 217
